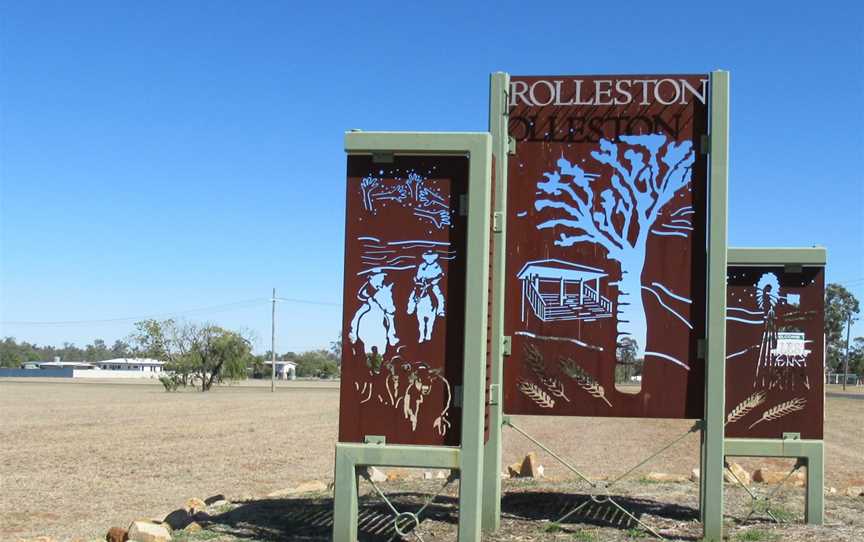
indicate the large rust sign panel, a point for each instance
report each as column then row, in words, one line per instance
column 606, row 256
column 404, row 299
column 774, row 352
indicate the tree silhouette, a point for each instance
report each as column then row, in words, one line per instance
column 619, row 211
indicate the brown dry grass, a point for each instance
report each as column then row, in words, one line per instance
column 79, row 457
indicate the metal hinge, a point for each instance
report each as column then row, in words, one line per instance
column 457, row 396
column 700, row 348
column 463, row 204
column 493, row 394
column 511, row 145
column 497, row 222
column 382, row 157
column 705, row 144
column 375, row 439
column 506, row 345
column 791, row 436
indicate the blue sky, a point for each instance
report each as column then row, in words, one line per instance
column 159, row 157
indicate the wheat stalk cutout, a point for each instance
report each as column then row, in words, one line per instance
column 745, row 406
column 781, row 410
column 534, row 359
column 583, row 379
column 536, row 394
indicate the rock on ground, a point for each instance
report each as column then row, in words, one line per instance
column 117, row 534
column 376, row 475
column 195, row 505
column 665, row 477
column 143, row 531
column 209, row 501
column 736, row 473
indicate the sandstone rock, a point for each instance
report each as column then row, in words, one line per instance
column 541, row 471
column 219, row 503
column 666, row 477
column 529, row 466
column 193, row 527
column 178, row 519
column 142, row 531
column 740, row 474
column 195, row 505
column 117, row 534
column 440, row 475
column 694, row 475
column 376, row 475
column 830, row 490
column 514, row 470
column 427, row 475
column 765, row 476
column 219, row 497
column 315, row 486
column 854, row 491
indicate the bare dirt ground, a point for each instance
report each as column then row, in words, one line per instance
column 79, row 457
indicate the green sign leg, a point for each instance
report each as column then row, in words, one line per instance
column 712, row 453
column 491, row 519
column 345, row 498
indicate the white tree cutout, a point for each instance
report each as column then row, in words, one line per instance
column 621, row 216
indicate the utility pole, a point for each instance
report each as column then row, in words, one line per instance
column 273, row 344
column 846, row 362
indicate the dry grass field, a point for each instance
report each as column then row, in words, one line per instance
column 78, row 457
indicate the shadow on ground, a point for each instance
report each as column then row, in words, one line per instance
column 311, row 519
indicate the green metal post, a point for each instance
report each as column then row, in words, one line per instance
column 712, row 454
column 474, row 379
column 815, row 503
column 345, row 498
column 499, row 83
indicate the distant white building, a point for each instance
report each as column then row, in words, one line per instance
column 114, row 368
column 285, row 370
column 145, row 366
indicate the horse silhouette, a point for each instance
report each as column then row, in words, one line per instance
column 421, row 303
column 374, row 323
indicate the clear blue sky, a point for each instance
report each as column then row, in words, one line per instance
column 159, row 157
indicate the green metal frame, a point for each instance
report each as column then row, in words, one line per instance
column 498, row 120
column 810, row 451
column 711, row 479
column 468, row 458
column 711, row 489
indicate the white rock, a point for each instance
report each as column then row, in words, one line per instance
column 377, row 475
column 427, row 475
column 694, row 475
column 142, row 531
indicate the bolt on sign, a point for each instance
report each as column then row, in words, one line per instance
column 774, row 351
column 606, row 256
column 404, row 299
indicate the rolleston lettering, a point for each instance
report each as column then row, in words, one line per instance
column 577, row 92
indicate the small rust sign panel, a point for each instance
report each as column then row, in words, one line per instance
column 606, row 234
column 774, row 352
column 404, row 299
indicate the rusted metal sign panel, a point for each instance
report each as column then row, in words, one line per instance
column 404, row 300
column 606, row 258
column 774, row 352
